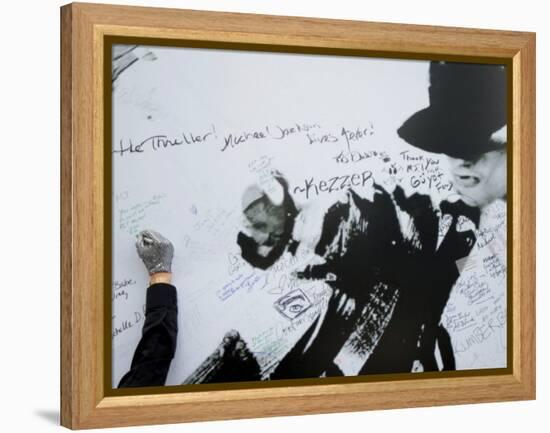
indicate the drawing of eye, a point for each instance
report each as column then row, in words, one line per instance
column 293, row 299
column 296, row 304
column 293, row 304
column 296, row 308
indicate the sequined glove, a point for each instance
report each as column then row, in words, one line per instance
column 155, row 250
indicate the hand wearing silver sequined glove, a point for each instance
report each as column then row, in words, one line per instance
column 155, row 250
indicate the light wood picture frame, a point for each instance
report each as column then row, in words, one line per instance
column 87, row 32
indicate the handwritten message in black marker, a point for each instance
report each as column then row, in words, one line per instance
column 275, row 132
column 423, row 170
column 314, row 187
column 161, row 142
column 312, row 134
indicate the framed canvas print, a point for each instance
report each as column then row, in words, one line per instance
column 269, row 216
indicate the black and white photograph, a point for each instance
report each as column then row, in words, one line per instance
column 294, row 216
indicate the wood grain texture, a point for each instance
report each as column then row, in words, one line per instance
column 525, row 214
column 83, row 396
column 67, row 388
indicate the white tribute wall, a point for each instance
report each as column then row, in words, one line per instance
column 192, row 128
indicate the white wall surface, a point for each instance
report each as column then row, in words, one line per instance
column 29, row 174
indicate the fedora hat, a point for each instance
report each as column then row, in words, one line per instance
column 467, row 105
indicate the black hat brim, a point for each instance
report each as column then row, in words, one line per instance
column 467, row 105
column 437, row 132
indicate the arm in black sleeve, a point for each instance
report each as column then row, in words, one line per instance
column 157, row 346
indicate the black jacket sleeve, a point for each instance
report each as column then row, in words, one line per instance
column 157, row 346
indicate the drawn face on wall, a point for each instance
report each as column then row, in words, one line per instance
column 265, row 222
column 480, row 180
